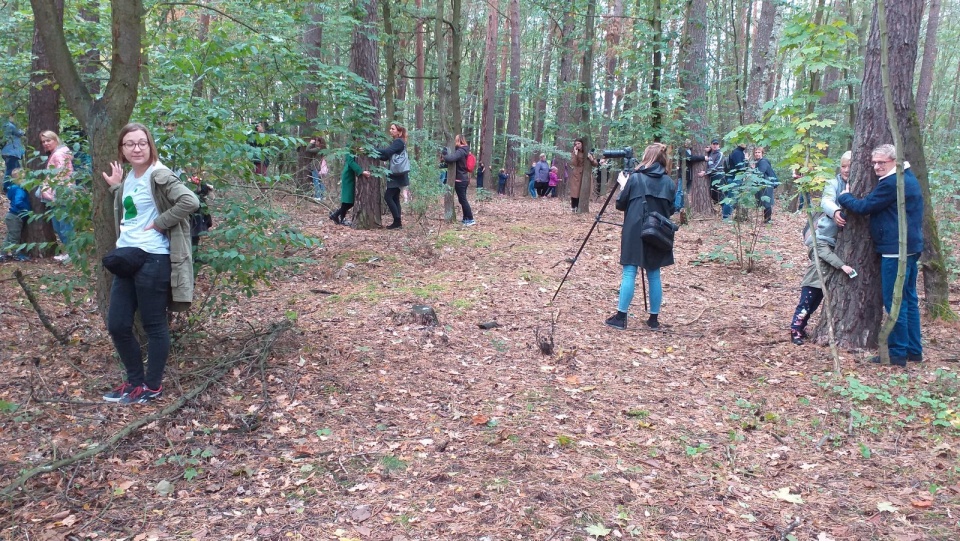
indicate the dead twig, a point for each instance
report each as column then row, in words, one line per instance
column 694, row 319
column 40, row 313
column 787, row 531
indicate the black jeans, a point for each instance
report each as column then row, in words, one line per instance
column 810, row 298
column 461, row 189
column 148, row 292
column 392, row 196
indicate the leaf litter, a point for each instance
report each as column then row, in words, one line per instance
column 365, row 424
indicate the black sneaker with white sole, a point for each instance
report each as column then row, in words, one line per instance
column 142, row 395
column 119, row 393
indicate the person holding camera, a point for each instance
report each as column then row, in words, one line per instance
column 649, row 189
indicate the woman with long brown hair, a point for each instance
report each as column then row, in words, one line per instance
column 649, row 189
column 396, row 181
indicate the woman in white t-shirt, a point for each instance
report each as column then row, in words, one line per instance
column 152, row 216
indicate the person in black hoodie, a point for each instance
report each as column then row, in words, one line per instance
column 736, row 166
column 395, row 181
column 459, row 156
column 649, row 189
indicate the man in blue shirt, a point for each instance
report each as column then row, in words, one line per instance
column 881, row 205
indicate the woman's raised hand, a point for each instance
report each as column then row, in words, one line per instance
column 116, row 174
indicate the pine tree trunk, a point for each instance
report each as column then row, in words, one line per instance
column 857, row 304
column 421, row 73
column 693, row 71
column 565, row 94
column 390, row 62
column 656, row 115
column 364, row 61
column 760, row 65
column 614, row 32
column 485, row 151
column 929, row 62
column 312, row 45
column 540, row 108
column 585, row 100
column 513, row 115
column 43, row 113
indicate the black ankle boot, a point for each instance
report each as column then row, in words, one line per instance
column 652, row 321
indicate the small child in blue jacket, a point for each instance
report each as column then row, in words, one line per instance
column 16, row 216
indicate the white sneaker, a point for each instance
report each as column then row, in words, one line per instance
column 63, row 258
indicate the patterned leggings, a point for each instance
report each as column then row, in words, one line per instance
column 810, row 298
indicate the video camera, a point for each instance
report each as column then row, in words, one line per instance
column 626, row 153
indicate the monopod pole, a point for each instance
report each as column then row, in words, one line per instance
column 613, row 190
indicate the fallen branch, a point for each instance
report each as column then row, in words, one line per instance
column 40, row 313
column 787, row 531
column 130, row 428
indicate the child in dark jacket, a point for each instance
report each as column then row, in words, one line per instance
column 16, row 216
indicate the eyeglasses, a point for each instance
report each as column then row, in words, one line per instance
column 881, row 162
column 130, row 145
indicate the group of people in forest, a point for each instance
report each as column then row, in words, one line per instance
column 154, row 209
column 650, row 190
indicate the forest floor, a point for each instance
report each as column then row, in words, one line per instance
column 360, row 423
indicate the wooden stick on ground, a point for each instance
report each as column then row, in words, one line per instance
column 130, row 428
column 40, row 313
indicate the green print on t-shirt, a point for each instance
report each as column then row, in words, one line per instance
column 130, row 210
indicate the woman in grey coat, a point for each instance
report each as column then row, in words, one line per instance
column 649, row 189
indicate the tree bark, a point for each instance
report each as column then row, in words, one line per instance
column 364, row 61
column 312, row 45
column 489, row 85
column 565, row 95
column 540, row 108
column 858, row 303
column 421, row 63
column 43, row 113
column 390, row 62
column 928, row 63
column 103, row 117
column 614, row 31
column 656, row 114
column 585, row 100
column 513, row 115
column 760, row 65
column 693, row 71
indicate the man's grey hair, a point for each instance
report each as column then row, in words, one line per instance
column 887, row 150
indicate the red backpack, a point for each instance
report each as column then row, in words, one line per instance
column 471, row 162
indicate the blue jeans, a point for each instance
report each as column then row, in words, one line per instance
column 730, row 196
column 319, row 190
column 147, row 291
column 11, row 162
column 905, row 337
column 629, row 283
column 64, row 231
column 532, row 189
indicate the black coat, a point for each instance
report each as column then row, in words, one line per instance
column 459, row 157
column 394, row 180
column 647, row 190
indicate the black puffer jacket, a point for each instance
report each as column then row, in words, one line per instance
column 647, row 190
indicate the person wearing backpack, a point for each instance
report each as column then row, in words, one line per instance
column 396, row 181
column 649, row 189
column 459, row 156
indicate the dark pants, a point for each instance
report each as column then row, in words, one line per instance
column 810, row 299
column 343, row 210
column 905, row 337
column 14, row 229
column 574, row 203
column 765, row 200
column 502, row 187
column 715, row 182
column 542, row 188
column 461, row 188
column 148, row 292
column 11, row 162
column 392, row 196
